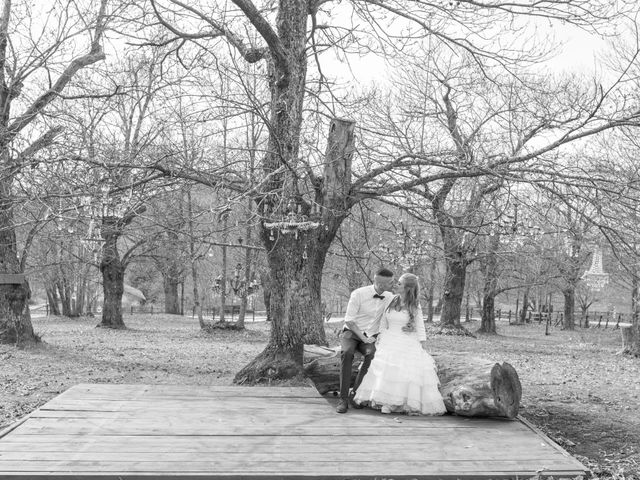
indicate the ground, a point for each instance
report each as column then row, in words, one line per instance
column 575, row 387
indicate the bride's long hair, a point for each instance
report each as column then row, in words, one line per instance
column 411, row 295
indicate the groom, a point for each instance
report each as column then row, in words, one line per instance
column 359, row 331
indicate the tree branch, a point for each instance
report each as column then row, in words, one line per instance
column 44, row 141
column 95, row 55
column 250, row 54
column 270, row 36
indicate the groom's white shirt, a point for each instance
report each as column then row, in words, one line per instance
column 362, row 309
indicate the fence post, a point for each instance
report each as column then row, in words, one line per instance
column 599, row 321
column 151, row 309
column 509, row 316
column 546, row 325
column 586, row 321
column 618, row 322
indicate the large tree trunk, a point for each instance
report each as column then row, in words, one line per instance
column 171, row 282
column 112, row 270
column 296, row 255
column 65, row 295
column 197, row 305
column 488, row 320
column 525, row 306
column 569, row 308
column 223, row 276
column 295, row 263
column 52, row 299
column 490, row 270
column 635, row 299
column 453, row 289
column 15, row 319
column 631, row 334
column 631, row 340
column 469, row 386
column 294, row 309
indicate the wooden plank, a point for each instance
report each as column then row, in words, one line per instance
column 190, row 391
column 290, row 455
column 344, row 467
column 268, row 443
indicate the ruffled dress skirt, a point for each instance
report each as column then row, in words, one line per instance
column 402, row 377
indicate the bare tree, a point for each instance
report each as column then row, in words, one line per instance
column 22, row 69
column 302, row 205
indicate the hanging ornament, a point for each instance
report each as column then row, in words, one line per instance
column 595, row 277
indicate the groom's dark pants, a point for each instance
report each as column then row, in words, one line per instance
column 349, row 343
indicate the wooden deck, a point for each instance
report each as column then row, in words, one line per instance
column 164, row 431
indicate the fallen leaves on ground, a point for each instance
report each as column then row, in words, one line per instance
column 576, row 389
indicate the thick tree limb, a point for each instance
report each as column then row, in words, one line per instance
column 95, row 55
column 250, row 54
column 44, row 141
column 270, row 36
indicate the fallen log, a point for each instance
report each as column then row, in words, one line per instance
column 470, row 387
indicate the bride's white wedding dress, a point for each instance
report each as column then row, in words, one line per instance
column 402, row 376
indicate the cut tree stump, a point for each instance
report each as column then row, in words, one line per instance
column 471, row 387
column 630, row 340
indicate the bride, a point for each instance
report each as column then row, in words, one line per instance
column 402, row 376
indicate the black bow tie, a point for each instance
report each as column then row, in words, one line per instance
column 377, row 295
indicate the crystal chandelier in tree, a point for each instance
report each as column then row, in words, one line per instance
column 595, row 277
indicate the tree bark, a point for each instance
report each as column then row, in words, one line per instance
column 52, row 298
column 15, row 319
column 112, row 270
column 223, row 277
column 171, row 281
column 488, row 321
column 456, row 272
column 469, row 386
column 525, row 306
column 489, row 265
column 631, row 340
column 65, row 295
column 295, row 263
column 568, row 323
column 635, row 299
column 197, row 304
column 295, row 256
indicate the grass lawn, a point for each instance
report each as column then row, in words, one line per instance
column 575, row 387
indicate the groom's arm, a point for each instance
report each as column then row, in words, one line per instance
column 352, row 310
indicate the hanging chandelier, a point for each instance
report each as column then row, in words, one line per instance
column 595, row 277
column 292, row 221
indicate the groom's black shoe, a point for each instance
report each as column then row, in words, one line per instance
column 343, row 406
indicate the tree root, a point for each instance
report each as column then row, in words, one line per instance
column 210, row 327
column 453, row 330
column 270, row 366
